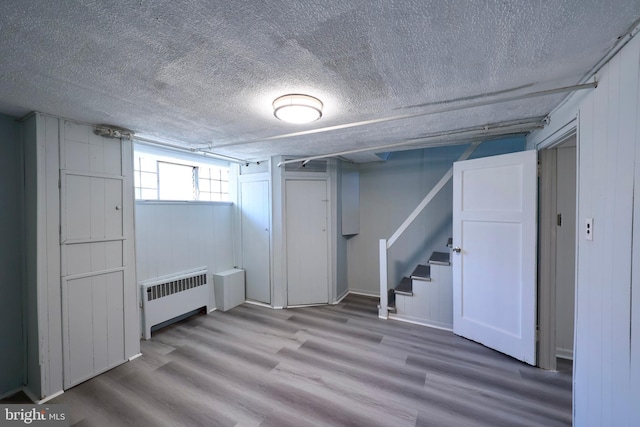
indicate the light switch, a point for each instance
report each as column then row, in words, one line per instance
column 588, row 229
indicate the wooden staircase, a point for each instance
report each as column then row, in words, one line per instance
column 426, row 296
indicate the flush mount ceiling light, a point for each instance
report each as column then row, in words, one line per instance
column 297, row 108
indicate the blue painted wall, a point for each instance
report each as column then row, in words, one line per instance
column 11, row 257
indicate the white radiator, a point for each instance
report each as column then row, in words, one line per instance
column 170, row 296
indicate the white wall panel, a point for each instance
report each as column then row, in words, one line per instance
column 173, row 237
column 606, row 389
column 608, row 136
column 431, row 302
column 98, row 278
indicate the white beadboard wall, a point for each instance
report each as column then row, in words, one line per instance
column 173, row 237
column 607, row 338
column 432, row 302
column 608, row 137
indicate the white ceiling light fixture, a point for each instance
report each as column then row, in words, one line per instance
column 297, row 108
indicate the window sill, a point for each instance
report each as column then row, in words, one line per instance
column 181, row 202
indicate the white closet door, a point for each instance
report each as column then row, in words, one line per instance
column 307, row 242
column 96, row 304
column 254, row 204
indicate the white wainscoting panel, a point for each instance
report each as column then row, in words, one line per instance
column 432, row 302
column 172, row 237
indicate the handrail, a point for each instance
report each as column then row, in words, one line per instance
column 385, row 245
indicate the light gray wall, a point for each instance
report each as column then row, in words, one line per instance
column 43, row 315
column 342, row 283
column 174, row 237
column 607, row 331
column 31, row 255
column 11, row 257
column 389, row 192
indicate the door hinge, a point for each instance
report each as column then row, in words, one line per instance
column 559, row 220
column 539, row 169
column 537, row 334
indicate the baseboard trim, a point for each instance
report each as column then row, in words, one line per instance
column 364, row 294
column 259, row 304
column 37, row 401
column 562, row 353
column 135, row 356
column 308, row 305
column 48, row 398
column 428, row 324
column 344, row 295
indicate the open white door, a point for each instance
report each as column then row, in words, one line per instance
column 494, row 259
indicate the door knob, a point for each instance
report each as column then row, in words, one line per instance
column 456, row 250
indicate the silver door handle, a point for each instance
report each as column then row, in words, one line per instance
column 456, row 250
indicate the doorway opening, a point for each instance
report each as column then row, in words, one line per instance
column 557, row 257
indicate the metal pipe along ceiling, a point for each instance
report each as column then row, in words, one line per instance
column 447, row 109
column 460, row 136
column 205, row 153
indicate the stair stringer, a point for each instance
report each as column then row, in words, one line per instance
column 431, row 303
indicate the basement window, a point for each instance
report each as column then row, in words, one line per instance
column 159, row 176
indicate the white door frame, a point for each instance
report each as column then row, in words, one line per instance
column 547, row 251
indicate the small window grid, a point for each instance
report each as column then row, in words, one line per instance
column 146, row 178
column 156, row 180
column 213, row 184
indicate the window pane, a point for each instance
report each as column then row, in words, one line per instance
column 148, row 180
column 160, row 176
column 175, row 181
column 224, row 187
column 148, row 165
column 204, row 185
column 149, row 194
column 215, row 186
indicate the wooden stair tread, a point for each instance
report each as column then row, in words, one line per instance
column 405, row 287
column 422, row 272
column 440, row 258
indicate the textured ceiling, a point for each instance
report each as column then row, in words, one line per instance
column 205, row 72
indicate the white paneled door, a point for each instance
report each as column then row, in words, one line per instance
column 97, row 304
column 494, row 259
column 254, row 204
column 307, row 242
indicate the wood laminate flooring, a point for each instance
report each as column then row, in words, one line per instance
column 318, row 366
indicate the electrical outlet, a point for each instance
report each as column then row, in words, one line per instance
column 588, row 229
